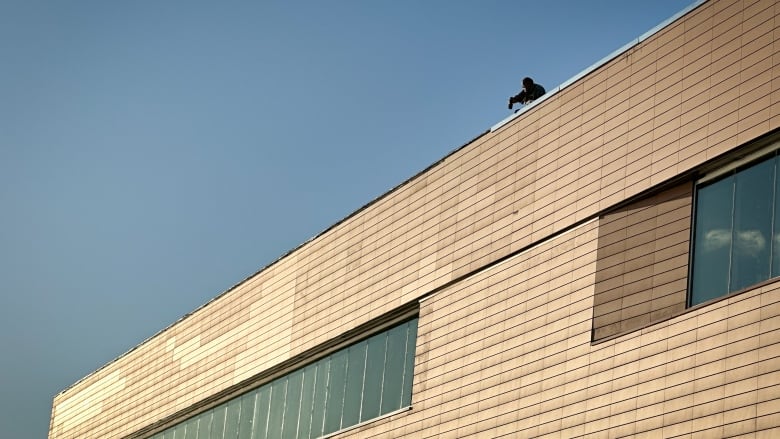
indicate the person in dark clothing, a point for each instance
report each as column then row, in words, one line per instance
column 531, row 91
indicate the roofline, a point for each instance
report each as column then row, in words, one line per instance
column 495, row 127
column 633, row 43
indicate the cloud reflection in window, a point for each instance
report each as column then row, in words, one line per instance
column 750, row 242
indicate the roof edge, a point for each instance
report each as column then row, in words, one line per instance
column 625, row 48
column 495, row 127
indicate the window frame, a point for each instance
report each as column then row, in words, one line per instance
column 713, row 176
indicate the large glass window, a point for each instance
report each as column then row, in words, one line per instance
column 735, row 231
column 355, row 384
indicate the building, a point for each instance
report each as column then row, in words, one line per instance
column 601, row 264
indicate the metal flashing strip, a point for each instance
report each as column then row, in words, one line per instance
column 601, row 62
column 368, row 421
column 765, row 151
column 524, row 109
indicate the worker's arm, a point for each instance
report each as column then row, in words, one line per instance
column 518, row 98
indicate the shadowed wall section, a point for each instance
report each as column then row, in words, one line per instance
column 642, row 262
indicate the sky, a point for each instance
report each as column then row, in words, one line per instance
column 155, row 153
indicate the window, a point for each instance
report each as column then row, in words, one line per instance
column 350, row 386
column 736, row 236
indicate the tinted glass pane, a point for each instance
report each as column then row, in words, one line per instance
column 335, row 400
column 375, row 368
column 753, row 208
column 192, row 428
column 218, row 422
column 353, row 392
column 307, row 398
column 320, row 396
column 712, row 241
column 247, row 415
column 204, row 426
column 411, row 347
column 262, row 407
column 776, row 235
column 276, row 414
column 181, row 431
column 394, row 369
column 293, row 405
column 231, row 418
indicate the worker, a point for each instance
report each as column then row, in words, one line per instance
column 531, row 92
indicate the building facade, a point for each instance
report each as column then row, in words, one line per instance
column 602, row 264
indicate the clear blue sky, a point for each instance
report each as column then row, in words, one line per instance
column 155, row 153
